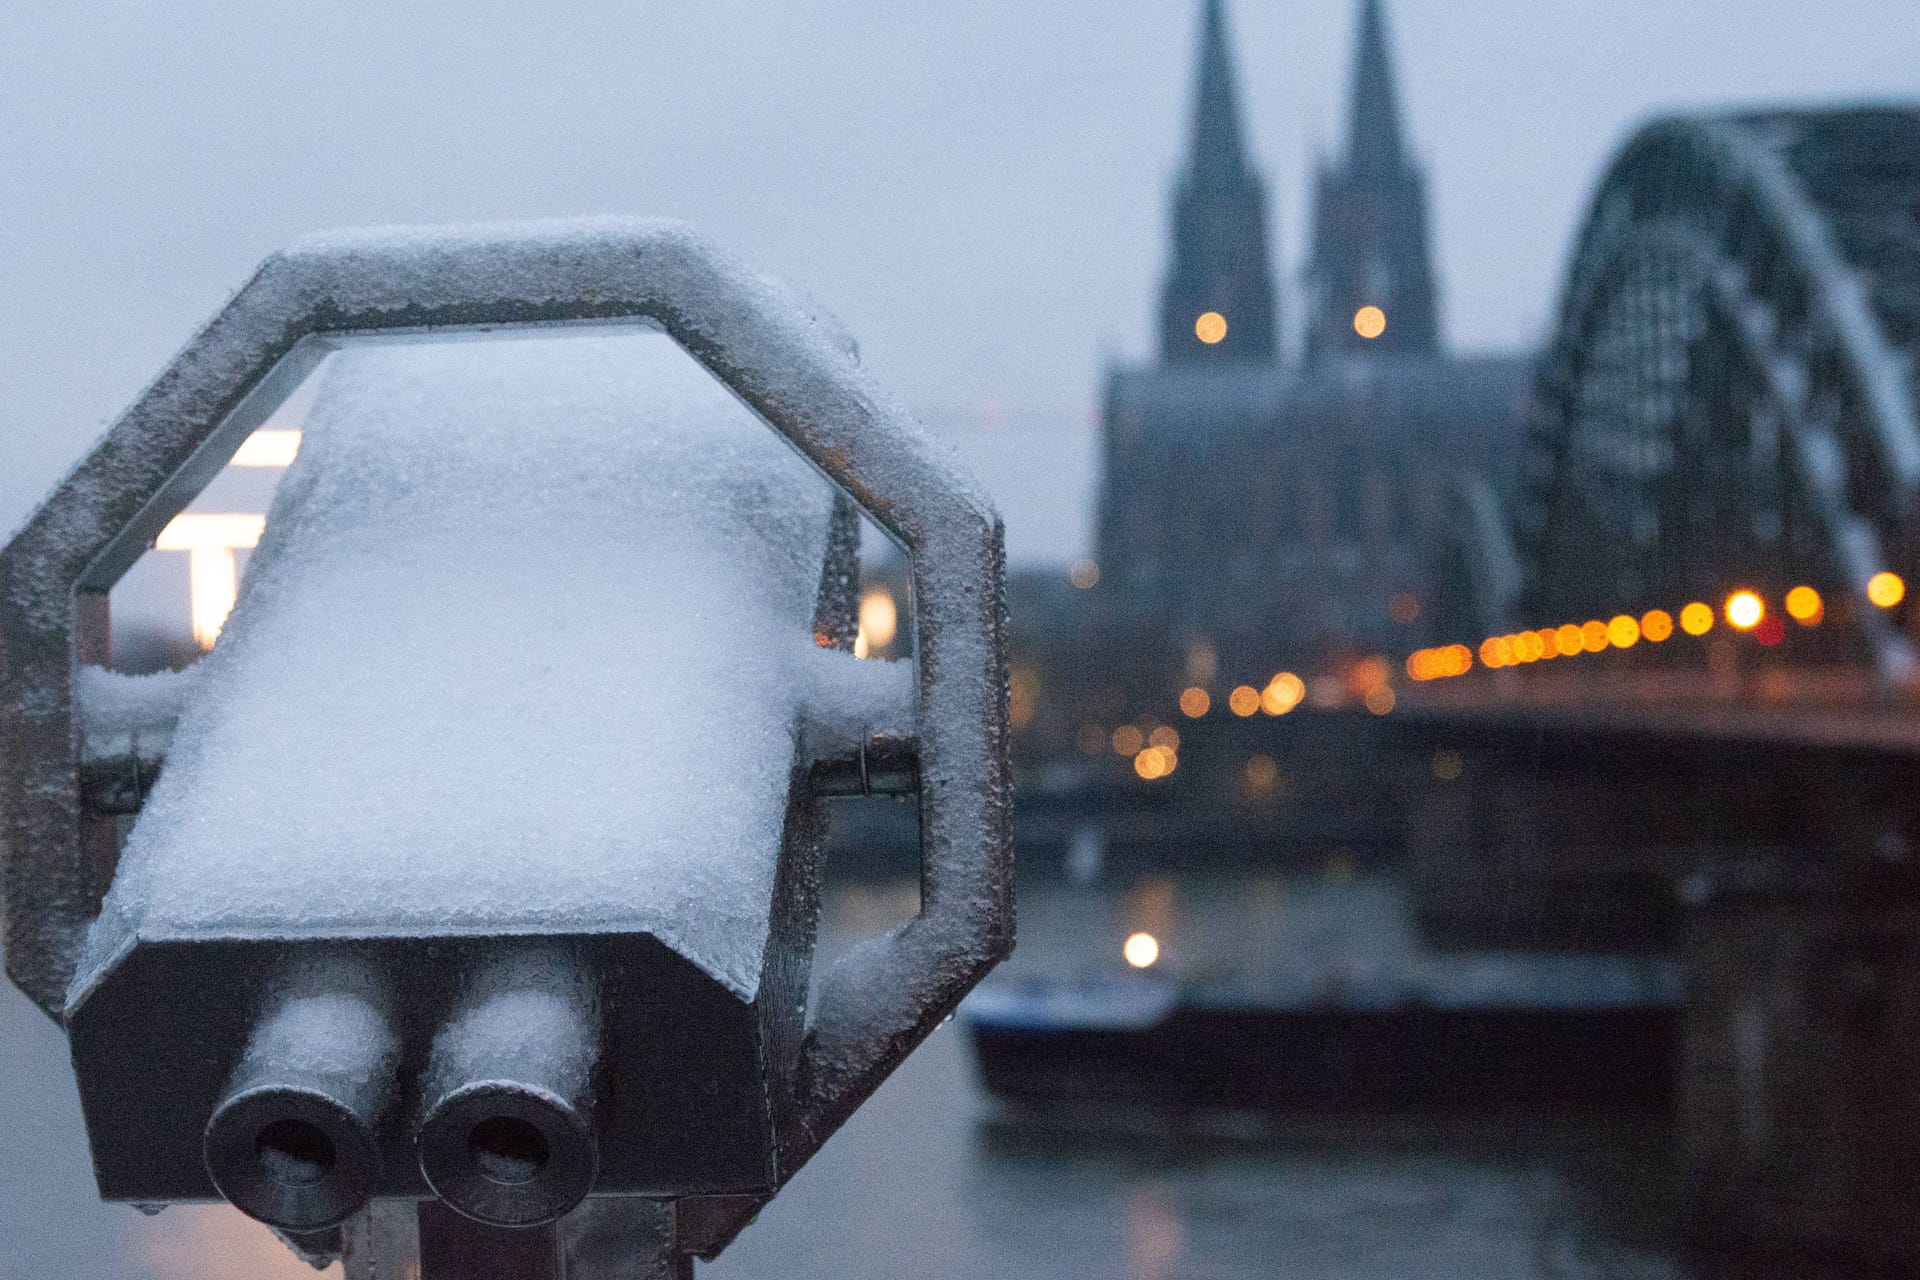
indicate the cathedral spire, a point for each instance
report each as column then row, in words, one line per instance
column 1371, row 280
column 1216, row 155
column 1218, row 302
column 1373, row 143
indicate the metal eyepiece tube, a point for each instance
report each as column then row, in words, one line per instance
column 292, row 1141
column 507, row 1135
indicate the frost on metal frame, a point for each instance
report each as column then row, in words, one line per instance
column 765, row 347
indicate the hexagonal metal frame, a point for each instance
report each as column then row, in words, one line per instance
column 786, row 364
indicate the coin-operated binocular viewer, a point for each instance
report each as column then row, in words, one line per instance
column 469, row 922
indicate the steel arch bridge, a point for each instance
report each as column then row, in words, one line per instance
column 1730, row 396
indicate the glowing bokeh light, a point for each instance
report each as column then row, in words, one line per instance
column 1153, row 763
column 1656, row 625
column 1566, row 639
column 1084, row 574
column 1141, row 950
column 1195, row 702
column 1210, row 327
column 1244, row 701
column 1380, row 700
column 879, row 621
column 1023, row 695
column 1441, row 663
column 267, row 448
column 213, row 575
column 1282, row 694
column 1623, row 632
column 1593, row 636
column 1886, row 589
column 1369, row 322
column 1128, row 740
column 1454, row 660
column 1805, row 606
column 1696, row 619
column 1744, row 610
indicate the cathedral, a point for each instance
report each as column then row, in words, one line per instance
column 1277, row 505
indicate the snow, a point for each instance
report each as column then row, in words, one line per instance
column 526, row 645
column 530, row 1018
column 848, row 699
column 119, row 710
column 328, row 1031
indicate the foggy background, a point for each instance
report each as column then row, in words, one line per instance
column 979, row 190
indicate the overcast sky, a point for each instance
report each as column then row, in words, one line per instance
column 978, row 190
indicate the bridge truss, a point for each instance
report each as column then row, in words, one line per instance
column 1730, row 396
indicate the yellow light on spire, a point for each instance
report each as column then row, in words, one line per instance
column 1210, row 327
column 213, row 576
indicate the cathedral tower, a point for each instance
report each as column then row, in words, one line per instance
column 1370, row 281
column 1218, row 301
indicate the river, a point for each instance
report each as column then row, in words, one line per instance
column 931, row 1181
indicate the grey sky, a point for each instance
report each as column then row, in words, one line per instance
column 978, row 190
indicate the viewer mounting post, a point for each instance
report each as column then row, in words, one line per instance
column 530, row 1086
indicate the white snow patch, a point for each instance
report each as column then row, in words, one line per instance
column 525, row 646
column 848, row 699
column 113, row 703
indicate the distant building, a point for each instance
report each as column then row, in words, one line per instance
column 1370, row 224
column 1265, row 513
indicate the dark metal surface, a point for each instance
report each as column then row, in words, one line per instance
column 453, row 1247
column 118, row 785
column 885, row 765
column 684, row 1108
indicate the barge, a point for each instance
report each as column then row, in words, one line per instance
column 1499, row 1032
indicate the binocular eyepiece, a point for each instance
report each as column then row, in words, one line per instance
column 504, row 1133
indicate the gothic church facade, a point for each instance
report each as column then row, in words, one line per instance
column 1288, row 511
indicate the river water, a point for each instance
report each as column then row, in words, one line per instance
column 931, row 1181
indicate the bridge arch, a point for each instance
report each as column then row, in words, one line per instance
column 1729, row 396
